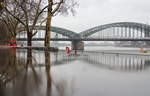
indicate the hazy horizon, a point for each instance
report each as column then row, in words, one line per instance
column 98, row 12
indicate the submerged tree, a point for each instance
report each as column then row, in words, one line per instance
column 57, row 7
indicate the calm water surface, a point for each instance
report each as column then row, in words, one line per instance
column 40, row 73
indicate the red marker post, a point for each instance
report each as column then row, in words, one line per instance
column 68, row 50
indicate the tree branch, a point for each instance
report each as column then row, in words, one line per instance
column 58, row 6
column 14, row 16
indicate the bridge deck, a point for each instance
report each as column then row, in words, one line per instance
column 88, row 39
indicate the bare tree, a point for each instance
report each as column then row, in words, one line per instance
column 4, row 33
column 26, row 12
column 57, row 7
column 11, row 24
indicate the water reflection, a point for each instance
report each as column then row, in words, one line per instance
column 9, row 66
column 26, row 81
column 116, row 62
column 48, row 74
column 21, row 74
column 19, row 78
column 122, row 62
column 29, row 72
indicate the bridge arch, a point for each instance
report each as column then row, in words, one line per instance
column 132, row 25
column 63, row 31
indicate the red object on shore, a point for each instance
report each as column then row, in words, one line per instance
column 12, row 43
column 68, row 50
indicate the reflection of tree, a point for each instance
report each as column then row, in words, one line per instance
column 8, row 65
column 30, row 63
column 28, row 82
column 1, row 90
column 60, row 86
column 48, row 66
column 22, row 79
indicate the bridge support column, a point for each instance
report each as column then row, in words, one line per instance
column 77, row 45
column 147, row 34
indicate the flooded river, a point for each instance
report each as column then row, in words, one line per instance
column 90, row 73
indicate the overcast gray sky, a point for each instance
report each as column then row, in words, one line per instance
column 92, row 13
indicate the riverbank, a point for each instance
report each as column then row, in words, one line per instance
column 31, row 47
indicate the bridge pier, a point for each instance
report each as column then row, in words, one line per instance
column 77, row 45
column 147, row 34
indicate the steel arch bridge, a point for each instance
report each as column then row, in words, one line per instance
column 130, row 25
column 63, row 31
column 120, row 31
column 142, row 29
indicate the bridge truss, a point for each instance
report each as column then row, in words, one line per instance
column 120, row 31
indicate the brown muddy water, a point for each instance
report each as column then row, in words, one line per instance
column 42, row 73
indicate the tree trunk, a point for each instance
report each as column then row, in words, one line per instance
column 29, row 37
column 48, row 26
column 48, row 31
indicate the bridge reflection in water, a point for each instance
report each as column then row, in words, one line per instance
column 32, row 72
column 117, row 61
column 114, row 61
